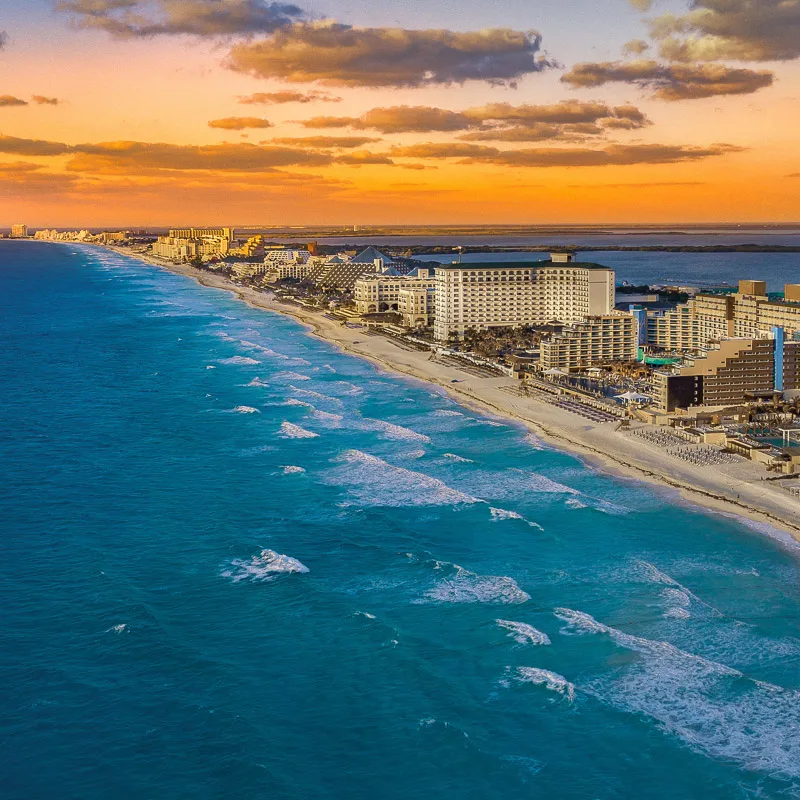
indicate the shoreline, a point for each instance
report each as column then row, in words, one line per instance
column 730, row 491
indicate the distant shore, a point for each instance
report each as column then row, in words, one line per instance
column 736, row 489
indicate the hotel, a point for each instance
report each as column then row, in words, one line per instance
column 482, row 296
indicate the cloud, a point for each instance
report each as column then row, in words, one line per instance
column 671, row 81
column 322, row 142
column 3, row 40
column 564, row 121
column 793, row 175
column 635, row 47
column 127, row 19
column 361, row 157
column 7, row 167
column 7, row 100
column 132, row 156
column 239, row 123
column 641, row 5
column 342, row 55
column 654, row 185
column 613, row 155
column 41, row 100
column 740, row 30
column 276, row 98
column 32, row 147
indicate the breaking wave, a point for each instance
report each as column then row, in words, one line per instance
column 245, row 410
column 239, row 360
column 264, row 567
column 502, row 513
column 292, row 470
column 459, row 459
column 551, row 681
column 463, row 586
column 291, row 431
column 258, row 382
column 522, row 633
column 372, row 481
column 707, row 705
column 290, row 376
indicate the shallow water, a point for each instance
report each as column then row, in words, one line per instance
column 238, row 563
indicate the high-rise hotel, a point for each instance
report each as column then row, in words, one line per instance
column 491, row 295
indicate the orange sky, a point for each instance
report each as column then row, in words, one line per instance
column 128, row 142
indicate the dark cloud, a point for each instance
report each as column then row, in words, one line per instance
column 41, row 100
column 32, row 147
column 322, row 142
column 239, row 123
column 739, row 30
column 276, row 98
column 671, row 81
column 7, row 100
column 342, row 55
column 613, row 155
column 397, row 119
column 3, row 39
column 127, row 19
column 536, row 132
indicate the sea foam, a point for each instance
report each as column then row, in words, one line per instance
column 463, row 586
column 239, row 360
column 522, row 633
column 264, row 567
column 292, row 431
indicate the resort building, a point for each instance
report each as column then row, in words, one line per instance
column 481, row 296
column 708, row 318
column 19, row 231
column 185, row 244
column 736, row 372
column 595, row 340
column 375, row 294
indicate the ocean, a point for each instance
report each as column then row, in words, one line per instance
column 235, row 562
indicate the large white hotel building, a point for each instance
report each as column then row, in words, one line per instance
column 490, row 295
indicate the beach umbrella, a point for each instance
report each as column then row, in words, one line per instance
column 633, row 397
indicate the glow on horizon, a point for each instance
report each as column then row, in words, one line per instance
column 129, row 141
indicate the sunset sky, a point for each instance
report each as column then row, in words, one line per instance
column 161, row 112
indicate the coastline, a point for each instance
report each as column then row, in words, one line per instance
column 732, row 490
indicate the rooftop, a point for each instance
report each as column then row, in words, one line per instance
column 523, row 265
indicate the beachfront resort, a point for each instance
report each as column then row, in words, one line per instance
column 712, row 376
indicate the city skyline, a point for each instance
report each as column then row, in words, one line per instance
column 173, row 110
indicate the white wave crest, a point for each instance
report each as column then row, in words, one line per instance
column 395, row 432
column 502, row 513
column 290, row 376
column 375, row 482
column 267, row 351
column 446, row 412
column 291, row 431
column 459, row 459
column 292, row 470
column 316, row 395
column 263, row 567
column 552, row 681
column 245, row 410
column 239, row 360
column 523, row 633
column 707, row 705
column 258, row 382
column 464, row 586
column 121, row 628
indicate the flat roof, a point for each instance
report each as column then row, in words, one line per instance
column 524, row 265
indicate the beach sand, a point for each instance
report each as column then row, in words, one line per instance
column 738, row 489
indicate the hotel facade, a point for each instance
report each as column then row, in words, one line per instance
column 482, row 296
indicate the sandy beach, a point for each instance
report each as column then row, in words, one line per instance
column 738, row 489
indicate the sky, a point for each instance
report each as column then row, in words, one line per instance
column 124, row 113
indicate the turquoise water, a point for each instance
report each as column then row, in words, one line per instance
column 237, row 563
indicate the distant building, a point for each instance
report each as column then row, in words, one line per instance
column 595, row 340
column 481, row 296
column 186, row 244
column 19, row 231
